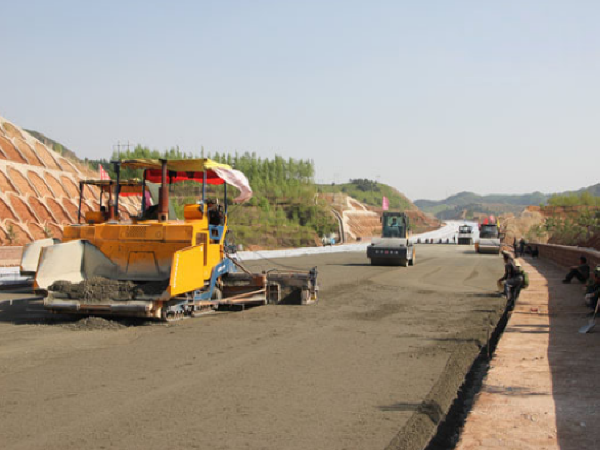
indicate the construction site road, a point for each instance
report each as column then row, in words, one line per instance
column 374, row 364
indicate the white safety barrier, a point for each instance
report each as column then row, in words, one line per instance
column 448, row 231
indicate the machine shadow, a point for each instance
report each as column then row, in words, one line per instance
column 31, row 311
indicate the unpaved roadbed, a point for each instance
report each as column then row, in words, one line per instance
column 376, row 362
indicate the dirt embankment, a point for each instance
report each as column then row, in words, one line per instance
column 362, row 221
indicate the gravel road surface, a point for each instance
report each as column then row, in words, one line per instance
column 373, row 365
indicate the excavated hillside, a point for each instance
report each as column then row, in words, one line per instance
column 39, row 189
column 362, row 221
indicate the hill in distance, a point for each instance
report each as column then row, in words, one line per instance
column 469, row 204
column 371, row 193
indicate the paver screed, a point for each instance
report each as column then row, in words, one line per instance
column 541, row 391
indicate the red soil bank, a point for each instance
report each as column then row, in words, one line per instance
column 21, row 237
column 12, row 131
column 3, row 238
column 55, row 231
column 39, row 184
column 84, row 208
column 37, row 231
column 10, row 151
column 91, row 193
column 55, row 186
column 28, row 152
column 40, row 210
column 68, row 166
column 45, row 156
column 5, row 211
column 58, row 211
column 5, row 184
column 70, row 207
column 21, row 209
column 70, row 187
column 20, row 182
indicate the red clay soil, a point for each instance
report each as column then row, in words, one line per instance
column 37, row 231
column 20, row 182
column 11, row 153
column 91, row 193
column 70, row 187
column 3, row 238
column 5, row 184
column 5, row 211
column 55, row 186
column 39, row 184
column 70, row 207
column 21, row 209
column 58, row 211
column 28, row 152
column 84, row 208
column 45, row 156
column 21, row 236
column 40, row 210
column 68, row 166
column 11, row 131
column 55, row 230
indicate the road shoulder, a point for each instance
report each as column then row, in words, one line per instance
column 539, row 392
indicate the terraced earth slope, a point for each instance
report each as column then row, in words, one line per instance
column 39, row 189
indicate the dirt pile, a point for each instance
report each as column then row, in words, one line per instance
column 39, row 189
column 99, row 289
column 94, row 323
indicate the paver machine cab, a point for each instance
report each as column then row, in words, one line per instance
column 489, row 236
column 465, row 235
column 155, row 266
column 394, row 247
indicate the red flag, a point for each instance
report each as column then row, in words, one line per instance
column 385, row 203
column 103, row 173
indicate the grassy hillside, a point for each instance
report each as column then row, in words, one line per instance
column 371, row 193
column 470, row 198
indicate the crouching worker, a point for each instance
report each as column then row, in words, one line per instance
column 581, row 272
column 592, row 290
column 512, row 279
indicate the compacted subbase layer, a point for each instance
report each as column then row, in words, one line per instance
column 375, row 364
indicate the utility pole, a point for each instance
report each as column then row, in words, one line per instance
column 118, row 146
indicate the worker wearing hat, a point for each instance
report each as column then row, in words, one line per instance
column 512, row 278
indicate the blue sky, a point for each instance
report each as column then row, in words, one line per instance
column 432, row 97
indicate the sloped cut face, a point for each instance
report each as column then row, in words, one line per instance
column 39, row 189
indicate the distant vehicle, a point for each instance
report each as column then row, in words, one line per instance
column 394, row 247
column 465, row 235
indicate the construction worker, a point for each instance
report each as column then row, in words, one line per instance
column 592, row 291
column 581, row 272
column 512, row 278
